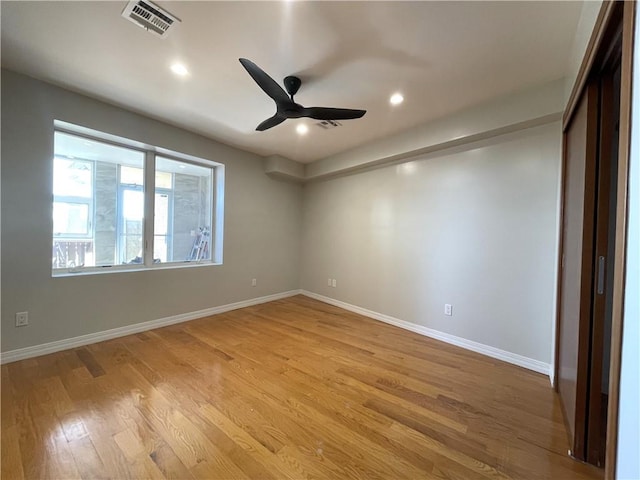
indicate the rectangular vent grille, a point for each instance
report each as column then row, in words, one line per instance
column 150, row 17
column 328, row 124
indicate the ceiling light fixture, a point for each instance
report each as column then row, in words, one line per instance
column 396, row 99
column 302, row 129
column 179, row 69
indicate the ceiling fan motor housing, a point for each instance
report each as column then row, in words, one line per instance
column 292, row 84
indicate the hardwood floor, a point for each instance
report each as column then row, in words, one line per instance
column 290, row 389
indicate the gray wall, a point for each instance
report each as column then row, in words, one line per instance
column 476, row 229
column 261, row 238
column 586, row 23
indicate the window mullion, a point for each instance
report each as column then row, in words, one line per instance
column 217, row 214
column 149, row 206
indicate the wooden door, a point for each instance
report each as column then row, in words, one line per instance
column 596, row 146
column 601, row 289
column 579, row 177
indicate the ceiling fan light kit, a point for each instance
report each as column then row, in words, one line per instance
column 286, row 107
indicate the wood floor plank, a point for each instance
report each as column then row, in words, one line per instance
column 353, row 418
column 345, row 410
column 44, row 449
column 10, row 460
column 7, row 403
column 291, row 389
column 169, row 463
column 262, row 454
column 90, row 362
column 88, row 461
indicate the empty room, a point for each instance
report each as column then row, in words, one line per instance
column 320, row 240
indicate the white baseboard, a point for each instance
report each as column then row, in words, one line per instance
column 51, row 347
column 509, row 357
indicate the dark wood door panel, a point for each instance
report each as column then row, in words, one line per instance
column 576, row 267
column 609, row 114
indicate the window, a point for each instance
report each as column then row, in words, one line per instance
column 104, row 190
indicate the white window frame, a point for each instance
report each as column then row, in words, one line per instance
column 151, row 151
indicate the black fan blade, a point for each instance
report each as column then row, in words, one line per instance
column 321, row 113
column 266, row 83
column 270, row 122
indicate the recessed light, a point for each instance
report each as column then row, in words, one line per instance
column 302, row 129
column 396, row 99
column 179, row 69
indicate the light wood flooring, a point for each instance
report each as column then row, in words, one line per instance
column 290, row 389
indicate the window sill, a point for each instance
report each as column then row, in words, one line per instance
column 70, row 272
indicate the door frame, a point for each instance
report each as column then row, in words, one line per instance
column 596, row 44
column 619, row 259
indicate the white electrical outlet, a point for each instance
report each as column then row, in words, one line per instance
column 22, row 319
column 333, row 283
column 254, row 282
column 328, row 282
column 448, row 309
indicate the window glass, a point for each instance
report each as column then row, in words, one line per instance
column 135, row 176
column 182, row 226
column 131, row 175
column 72, row 178
column 70, row 218
column 100, row 201
column 95, row 221
column 131, row 229
column 164, row 180
column 161, row 246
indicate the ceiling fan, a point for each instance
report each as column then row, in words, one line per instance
column 285, row 106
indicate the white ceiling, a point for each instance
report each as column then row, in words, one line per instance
column 443, row 56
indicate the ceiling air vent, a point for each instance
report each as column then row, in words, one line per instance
column 150, row 17
column 328, row 124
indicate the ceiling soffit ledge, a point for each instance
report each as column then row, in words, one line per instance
column 533, row 107
column 284, row 168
